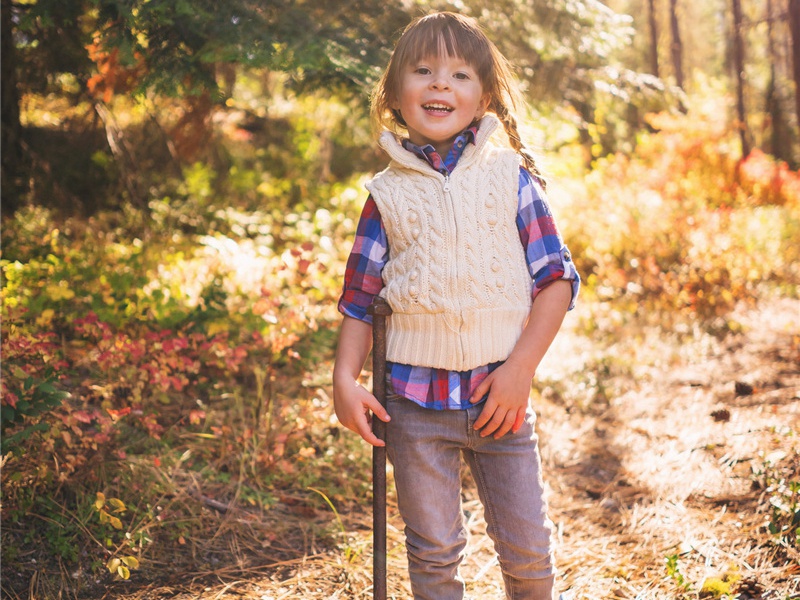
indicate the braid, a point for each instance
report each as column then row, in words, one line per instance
column 510, row 125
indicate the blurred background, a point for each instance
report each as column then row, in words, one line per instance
column 180, row 186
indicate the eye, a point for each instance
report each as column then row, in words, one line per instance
column 461, row 75
column 422, row 71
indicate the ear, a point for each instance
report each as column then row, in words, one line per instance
column 482, row 106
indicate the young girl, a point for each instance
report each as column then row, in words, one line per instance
column 458, row 238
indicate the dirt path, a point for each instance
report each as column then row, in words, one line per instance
column 662, row 462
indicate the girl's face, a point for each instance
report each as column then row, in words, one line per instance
column 439, row 97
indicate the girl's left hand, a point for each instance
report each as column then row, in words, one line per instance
column 509, row 387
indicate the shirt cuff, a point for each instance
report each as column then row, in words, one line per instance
column 354, row 309
column 555, row 271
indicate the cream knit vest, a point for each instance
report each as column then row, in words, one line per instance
column 457, row 279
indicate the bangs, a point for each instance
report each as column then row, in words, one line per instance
column 440, row 36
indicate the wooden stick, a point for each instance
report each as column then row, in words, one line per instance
column 379, row 310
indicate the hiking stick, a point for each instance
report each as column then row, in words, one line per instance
column 379, row 309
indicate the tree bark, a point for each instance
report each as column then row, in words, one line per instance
column 651, row 17
column 10, row 149
column 677, row 44
column 738, row 66
column 794, row 25
column 778, row 140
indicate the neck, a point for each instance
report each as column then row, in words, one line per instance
column 393, row 145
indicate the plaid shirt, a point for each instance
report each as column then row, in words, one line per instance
column 548, row 260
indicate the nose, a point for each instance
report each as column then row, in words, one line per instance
column 440, row 82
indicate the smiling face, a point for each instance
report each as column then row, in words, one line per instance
column 439, row 96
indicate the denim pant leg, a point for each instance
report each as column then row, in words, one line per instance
column 424, row 447
column 509, row 480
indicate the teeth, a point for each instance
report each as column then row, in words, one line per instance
column 437, row 107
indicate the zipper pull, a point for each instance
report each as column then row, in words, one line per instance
column 447, row 183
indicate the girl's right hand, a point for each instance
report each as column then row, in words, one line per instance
column 355, row 407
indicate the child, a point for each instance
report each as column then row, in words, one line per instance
column 458, row 238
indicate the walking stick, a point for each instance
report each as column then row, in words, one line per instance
column 379, row 309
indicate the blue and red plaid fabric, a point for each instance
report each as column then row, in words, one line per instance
column 548, row 260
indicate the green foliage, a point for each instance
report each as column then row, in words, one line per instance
column 321, row 46
column 109, row 512
column 674, row 573
column 349, row 553
column 51, row 43
column 778, row 475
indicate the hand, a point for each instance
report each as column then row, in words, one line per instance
column 355, row 406
column 509, row 387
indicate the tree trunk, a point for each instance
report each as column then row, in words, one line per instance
column 794, row 25
column 738, row 67
column 122, row 154
column 773, row 57
column 10, row 151
column 677, row 45
column 778, row 138
column 651, row 16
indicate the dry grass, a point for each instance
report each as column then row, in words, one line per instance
column 650, row 450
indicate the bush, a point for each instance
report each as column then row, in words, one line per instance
column 683, row 227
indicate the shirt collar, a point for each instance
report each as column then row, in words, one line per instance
column 444, row 165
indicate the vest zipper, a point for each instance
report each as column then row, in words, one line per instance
column 449, row 200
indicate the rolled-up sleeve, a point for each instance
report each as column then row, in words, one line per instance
column 362, row 278
column 548, row 257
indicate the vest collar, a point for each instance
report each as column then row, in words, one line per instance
column 392, row 144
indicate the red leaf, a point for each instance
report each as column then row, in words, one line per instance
column 82, row 416
column 10, row 399
column 117, row 414
column 196, row 416
column 302, row 266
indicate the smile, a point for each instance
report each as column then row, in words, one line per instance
column 438, row 107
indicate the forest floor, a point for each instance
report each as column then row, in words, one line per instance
column 663, row 478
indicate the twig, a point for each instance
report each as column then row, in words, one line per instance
column 215, row 504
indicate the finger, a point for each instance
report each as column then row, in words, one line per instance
column 365, row 431
column 506, row 425
column 487, row 413
column 378, row 410
column 496, row 421
column 480, row 391
column 519, row 421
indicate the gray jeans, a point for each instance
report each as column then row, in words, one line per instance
column 425, row 448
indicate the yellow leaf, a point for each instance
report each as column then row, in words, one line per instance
column 118, row 505
column 131, row 562
column 115, row 522
column 104, row 516
column 217, row 327
column 123, row 572
column 101, row 501
column 46, row 317
column 59, row 291
column 113, row 564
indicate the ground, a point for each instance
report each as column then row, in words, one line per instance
column 664, row 456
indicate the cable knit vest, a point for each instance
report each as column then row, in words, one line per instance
column 456, row 279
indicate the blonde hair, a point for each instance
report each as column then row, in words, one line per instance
column 462, row 37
